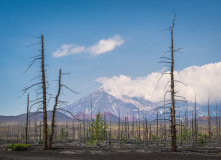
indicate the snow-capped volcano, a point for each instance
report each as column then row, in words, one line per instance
column 101, row 101
column 105, row 102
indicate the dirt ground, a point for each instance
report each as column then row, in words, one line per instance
column 66, row 151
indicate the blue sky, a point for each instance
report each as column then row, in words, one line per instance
column 86, row 23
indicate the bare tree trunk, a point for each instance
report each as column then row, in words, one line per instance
column 181, row 134
column 35, row 129
column 91, row 109
column 219, row 127
column 26, row 128
column 110, row 130
column 128, row 135
column 40, row 133
column 147, row 132
column 144, row 137
column 84, row 125
column 195, row 122
column 73, row 135
column 139, row 122
column 157, row 130
column 133, row 127
column 209, row 122
column 217, row 136
column 164, row 123
column 119, row 128
column 66, row 136
column 173, row 118
column 192, row 127
column 54, row 111
column 44, row 94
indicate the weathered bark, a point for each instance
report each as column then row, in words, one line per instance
column 192, row 126
column 45, row 124
column 217, row 135
column 209, row 122
column 172, row 91
column 119, row 127
column 54, row 111
column 40, row 132
column 26, row 127
column 110, row 130
column 146, row 132
column 157, row 130
column 133, row 127
column 195, row 122
column 139, row 122
column 219, row 127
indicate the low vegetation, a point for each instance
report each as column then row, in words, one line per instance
column 18, row 146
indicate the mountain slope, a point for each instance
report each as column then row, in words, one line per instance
column 102, row 101
column 105, row 102
column 59, row 117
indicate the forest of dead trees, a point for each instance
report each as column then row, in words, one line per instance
column 191, row 131
column 167, row 129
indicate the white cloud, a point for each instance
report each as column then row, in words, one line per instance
column 100, row 47
column 68, row 49
column 202, row 80
column 105, row 45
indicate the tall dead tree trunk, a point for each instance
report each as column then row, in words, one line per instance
column 217, row 135
column 119, row 127
column 195, row 122
column 209, row 122
column 54, row 111
column 110, row 130
column 45, row 124
column 40, row 132
column 91, row 109
column 157, row 130
column 139, row 123
column 192, row 127
column 133, row 127
column 219, row 127
column 26, row 127
column 172, row 91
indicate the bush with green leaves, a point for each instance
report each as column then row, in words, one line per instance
column 153, row 137
column 185, row 134
column 97, row 130
column 18, row 146
column 62, row 135
column 48, row 133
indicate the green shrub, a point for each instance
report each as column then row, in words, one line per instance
column 97, row 130
column 62, row 135
column 202, row 141
column 18, row 146
column 153, row 137
column 40, row 142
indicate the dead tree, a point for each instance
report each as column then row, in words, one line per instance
column 173, row 118
column 110, row 131
column 169, row 61
column 195, row 122
column 54, row 110
column 217, row 135
column 139, row 123
column 219, row 126
column 41, row 87
column 157, row 130
column 209, row 122
column 44, row 94
column 27, row 118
